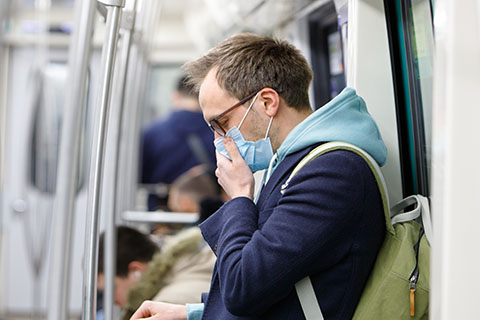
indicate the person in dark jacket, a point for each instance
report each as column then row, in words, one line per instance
column 176, row 144
column 326, row 224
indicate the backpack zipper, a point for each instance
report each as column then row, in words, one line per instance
column 415, row 274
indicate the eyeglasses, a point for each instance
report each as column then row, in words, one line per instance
column 214, row 123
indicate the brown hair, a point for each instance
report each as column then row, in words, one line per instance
column 132, row 245
column 247, row 63
column 196, row 183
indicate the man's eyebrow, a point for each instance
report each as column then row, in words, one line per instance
column 216, row 116
column 210, row 119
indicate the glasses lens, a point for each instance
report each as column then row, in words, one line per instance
column 215, row 126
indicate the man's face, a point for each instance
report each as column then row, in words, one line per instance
column 214, row 100
column 122, row 287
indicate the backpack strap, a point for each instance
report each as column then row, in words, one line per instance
column 372, row 164
column 308, row 299
column 304, row 287
column 426, row 218
column 422, row 209
column 398, row 217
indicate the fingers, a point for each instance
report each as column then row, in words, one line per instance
column 232, row 149
column 142, row 312
column 218, row 174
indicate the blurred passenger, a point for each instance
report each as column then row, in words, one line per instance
column 180, row 272
column 183, row 268
column 177, row 143
column 195, row 191
column 134, row 251
column 190, row 189
column 325, row 225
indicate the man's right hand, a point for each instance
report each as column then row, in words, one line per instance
column 152, row 310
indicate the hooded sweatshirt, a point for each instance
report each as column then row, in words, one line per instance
column 345, row 118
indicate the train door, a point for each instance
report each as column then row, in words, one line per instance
column 35, row 73
column 31, row 173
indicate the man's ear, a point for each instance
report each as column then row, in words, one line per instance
column 271, row 101
column 137, row 266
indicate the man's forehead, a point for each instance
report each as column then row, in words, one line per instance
column 209, row 85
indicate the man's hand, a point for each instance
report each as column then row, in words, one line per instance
column 151, row 310
column 234, row 176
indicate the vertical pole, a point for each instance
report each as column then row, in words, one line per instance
column 148, row 16
column 75, row 106
column 111, row 185
column 97, row 162
column 4, row 12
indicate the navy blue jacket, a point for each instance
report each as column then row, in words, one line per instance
column 166, row 153
column 329, row 225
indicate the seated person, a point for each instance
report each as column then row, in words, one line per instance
column 172, row 146
column 134, row 251
column 178, row 273
column 195, row 191
column 182, row 270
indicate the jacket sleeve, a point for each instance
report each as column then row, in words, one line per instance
column 308, row 230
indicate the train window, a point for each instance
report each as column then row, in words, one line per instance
column 47, row 99
column 335, row 57
column 326, row 55
column 421, row 43
column 411, row 45
column 48, row 104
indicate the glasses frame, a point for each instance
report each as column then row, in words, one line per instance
column 215, row 126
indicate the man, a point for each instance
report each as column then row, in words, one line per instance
column 183, row 268
column 177, row 143
column 328, row 222
column 177, row 274
column 134, row 252
column 189, row 191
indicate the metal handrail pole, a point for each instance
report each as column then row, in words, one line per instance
column 4, row 13
column 116, row 126
column 68, row 162
column 126, row 186
column 149, row 11
column 97, row 165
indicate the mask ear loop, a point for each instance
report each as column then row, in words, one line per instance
column 268, row 129
column 249, row 107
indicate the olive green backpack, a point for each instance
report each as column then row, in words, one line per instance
column 398, row 285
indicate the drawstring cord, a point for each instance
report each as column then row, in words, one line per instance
column 266, row 176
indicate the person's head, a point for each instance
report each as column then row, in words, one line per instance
column 188, row 190
column 185, row 95
column 134, row 252
column 243, row 66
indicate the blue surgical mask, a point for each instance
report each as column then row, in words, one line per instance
column 257, row 154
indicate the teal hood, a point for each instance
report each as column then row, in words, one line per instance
column 345, row 118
